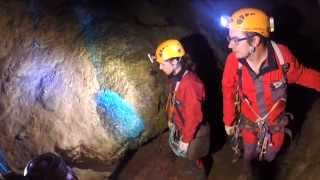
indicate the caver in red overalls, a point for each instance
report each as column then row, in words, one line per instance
column 188, row 135
column 185, row 110
column 263, row 94
column 189, row 96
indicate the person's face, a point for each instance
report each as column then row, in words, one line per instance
column 238, row 43
column 168, row 67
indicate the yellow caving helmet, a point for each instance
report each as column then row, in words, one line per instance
column 168, row 49
column 252, row 20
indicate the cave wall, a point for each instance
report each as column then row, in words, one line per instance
column 70, row 68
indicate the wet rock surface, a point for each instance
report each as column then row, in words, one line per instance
column 81, row 87
column 75, row 80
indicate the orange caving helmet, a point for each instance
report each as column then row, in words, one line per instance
column 252, row 20
column 168, row 49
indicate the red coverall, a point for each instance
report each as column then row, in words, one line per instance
column 189, row 98
column 260, row 90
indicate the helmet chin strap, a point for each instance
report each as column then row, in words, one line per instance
column 176, row 66
column 251, row 51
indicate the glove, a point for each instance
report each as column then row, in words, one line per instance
column 229, row 130
column 183, row 147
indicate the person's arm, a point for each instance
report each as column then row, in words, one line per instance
column 229, row 88
column 193, row 98
column 300, row 74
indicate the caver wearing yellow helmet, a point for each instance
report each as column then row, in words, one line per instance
column 189, row 132
column 254, row 86
column 171, row 56
column 250, row 29
column 169, row 49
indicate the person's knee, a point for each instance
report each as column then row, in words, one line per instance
column 249, row 151
column 271, row 154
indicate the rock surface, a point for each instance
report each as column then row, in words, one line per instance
column 81, row 87
column 75, row 80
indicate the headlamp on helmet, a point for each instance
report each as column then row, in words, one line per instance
column 224, row 21
column 249, row 20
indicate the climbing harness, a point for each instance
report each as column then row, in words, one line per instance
column 174, row 135
column 261, row 126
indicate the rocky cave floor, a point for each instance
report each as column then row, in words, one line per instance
column 154, row 161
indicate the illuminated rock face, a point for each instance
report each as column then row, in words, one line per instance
column 77, row 86
column 76, row 81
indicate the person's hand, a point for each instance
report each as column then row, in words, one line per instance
column 183, row 146
column 170, row 124
column 229, row 130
